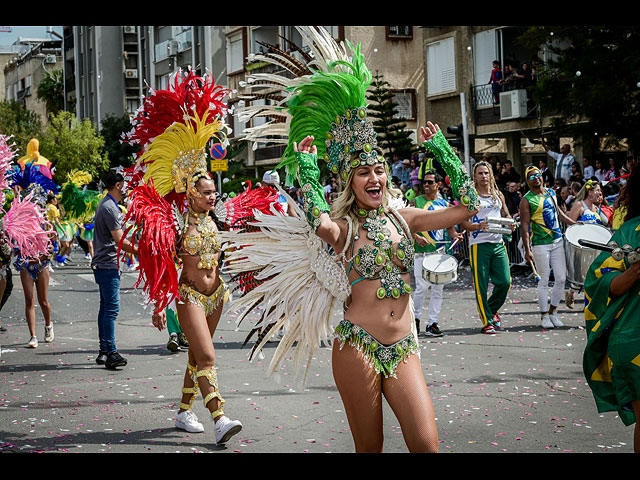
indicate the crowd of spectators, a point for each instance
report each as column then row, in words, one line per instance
column 611, row 179
column 514, row 75
column 407, row 174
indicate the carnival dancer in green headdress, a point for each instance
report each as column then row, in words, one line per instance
column 611, row 359
column 375, row 352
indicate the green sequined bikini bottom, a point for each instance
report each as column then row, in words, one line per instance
column 383, row 358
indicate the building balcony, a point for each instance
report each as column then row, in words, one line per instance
column 489, row 108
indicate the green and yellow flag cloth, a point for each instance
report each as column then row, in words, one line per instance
column 611, row 360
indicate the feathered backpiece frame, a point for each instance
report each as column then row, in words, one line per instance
column 326, row 98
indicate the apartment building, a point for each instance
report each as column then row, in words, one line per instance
column 24, row 66
column 458, row 61
column 108, row 69
column 394, row 52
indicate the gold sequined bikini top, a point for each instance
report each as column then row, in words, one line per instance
column 203, row 240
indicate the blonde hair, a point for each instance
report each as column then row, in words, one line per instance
column 345, row 204
column 584, row 191
column 493, row 186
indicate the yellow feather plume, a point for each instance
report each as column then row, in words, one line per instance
column 178, row 152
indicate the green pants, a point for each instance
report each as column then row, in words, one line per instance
column 172, row 321
column 490, row 262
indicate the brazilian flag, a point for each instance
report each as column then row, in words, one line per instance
column 611, row 360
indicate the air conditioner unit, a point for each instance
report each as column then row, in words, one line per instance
column 173, row 47
column 129, row 29
column 513, row 104
column 131, row 73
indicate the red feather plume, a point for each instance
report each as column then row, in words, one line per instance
column 164, row 107
column 152, row 220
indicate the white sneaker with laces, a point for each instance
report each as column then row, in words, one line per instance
column 33, row 342
column 226, row 428
column 188, row 421
column 546, row 321
column 48, row 333
column 555, row 320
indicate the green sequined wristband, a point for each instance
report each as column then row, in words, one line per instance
column 313, row 201
column 461, row 184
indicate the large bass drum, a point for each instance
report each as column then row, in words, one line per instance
column 439, row 268
column 580, row 258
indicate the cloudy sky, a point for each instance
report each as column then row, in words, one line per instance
column 9, row 34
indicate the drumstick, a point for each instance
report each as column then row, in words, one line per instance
column 533, row 267
column 456, row 240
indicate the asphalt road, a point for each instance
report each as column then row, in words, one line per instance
column 519, row 391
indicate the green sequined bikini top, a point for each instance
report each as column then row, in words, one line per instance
column 374, row 261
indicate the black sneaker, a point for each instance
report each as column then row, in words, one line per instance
column 182, row 341
column 173, row 345
column 114, row 360
column 433, row 330
column 102, row 357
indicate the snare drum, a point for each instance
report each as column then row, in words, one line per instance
column 579, row 258
column 439, row 268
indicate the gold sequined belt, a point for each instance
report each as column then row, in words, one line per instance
column 208, row 302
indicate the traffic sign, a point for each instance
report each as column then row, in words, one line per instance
column 218, row 151
column 219, row 165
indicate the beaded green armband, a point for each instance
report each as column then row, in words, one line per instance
column 461, row 183
column 313, row 201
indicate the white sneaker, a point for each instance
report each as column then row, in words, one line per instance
column 555, row 320
column 48, row 333
column 188, row 421
column 546, row 321
column 226, row 428
column 33, row 342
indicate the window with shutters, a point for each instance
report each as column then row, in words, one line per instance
column 399, row 32
column 406, row 101
column 485, row 51
column 235, row 52
column 441, row 67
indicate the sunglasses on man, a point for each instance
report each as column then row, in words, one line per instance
column 533, row 176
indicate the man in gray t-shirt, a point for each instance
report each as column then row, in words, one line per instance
column 107, row 236
column 107, row 219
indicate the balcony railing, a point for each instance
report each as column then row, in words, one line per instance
column 486, row 107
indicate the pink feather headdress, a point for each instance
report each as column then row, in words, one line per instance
column 24, row 228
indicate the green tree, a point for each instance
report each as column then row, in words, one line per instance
column 51, row 90
column 73, row 145
column 113, row 129
column 590, row 79
column 392, row 135
column 23, row 124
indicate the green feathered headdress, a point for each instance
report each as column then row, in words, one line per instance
column 78, row 202
column 331, row 106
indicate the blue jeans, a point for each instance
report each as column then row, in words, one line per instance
column 108, row 281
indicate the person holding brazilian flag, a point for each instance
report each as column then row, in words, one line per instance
column 611, row 360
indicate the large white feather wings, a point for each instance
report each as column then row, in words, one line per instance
column 300, row 285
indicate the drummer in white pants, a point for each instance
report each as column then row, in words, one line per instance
column 543, row 243
column 427, row 243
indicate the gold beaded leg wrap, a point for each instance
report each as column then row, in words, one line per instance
column 212, row 376
column 191, row 370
